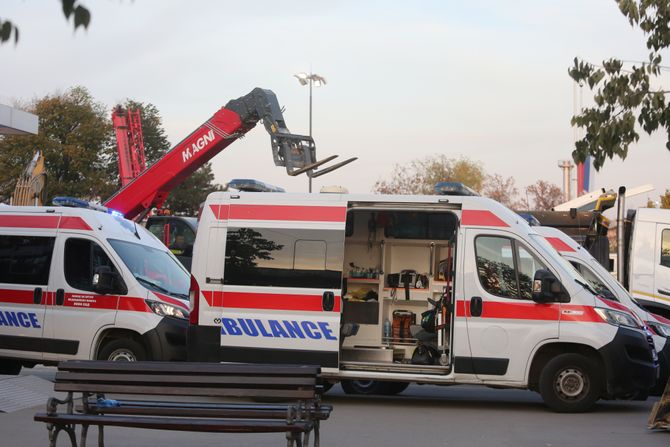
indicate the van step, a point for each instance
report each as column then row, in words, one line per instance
column 395, row 367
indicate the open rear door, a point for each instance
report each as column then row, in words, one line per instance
column 282, row 279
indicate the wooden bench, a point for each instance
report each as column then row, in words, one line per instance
column 98, row 381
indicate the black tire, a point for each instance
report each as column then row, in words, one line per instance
column 366, row 387
column 393, row 388
column 327, row 386
column 571, row 383
column 10, row 367
column 122, row 350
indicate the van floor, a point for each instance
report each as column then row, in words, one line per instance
column 395, row 367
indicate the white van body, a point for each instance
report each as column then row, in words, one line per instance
column 649, row 260
column 267, row 280
column 603, row 282
column 49, row 307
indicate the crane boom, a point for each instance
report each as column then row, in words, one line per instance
column 150, row 189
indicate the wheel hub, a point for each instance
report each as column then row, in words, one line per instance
column 122, row 355
column 570, row 383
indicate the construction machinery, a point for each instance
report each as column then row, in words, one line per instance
column 297, row 153
column 130, row 143
column 30, row 189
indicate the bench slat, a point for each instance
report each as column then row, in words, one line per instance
column 198, row 368
column 307, row 393
column 178, row 424
column 240, row 413
column 185, row 380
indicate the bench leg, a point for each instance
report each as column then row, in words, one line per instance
column 101, row 436
column 54, row 431
column 316, row 434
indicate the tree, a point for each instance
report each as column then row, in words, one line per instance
column 76, row 137
column 187, row 197
column 421, row 175
column 665, row 199
column 625, row 99
column 81, row 16
column 545, row 195
column 503, row 190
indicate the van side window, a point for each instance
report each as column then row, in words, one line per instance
column 665, row 248
column 495, row 266
column 82, row 257
column 272, row 257
column 505, row 267
column 25, row 259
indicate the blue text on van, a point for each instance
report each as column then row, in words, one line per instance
column 315, row 330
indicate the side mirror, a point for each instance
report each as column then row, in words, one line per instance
column 548, row 289
column 106, row 282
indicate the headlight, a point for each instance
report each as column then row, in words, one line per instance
column 167, row 310
column 617, row 318
column 661, row 329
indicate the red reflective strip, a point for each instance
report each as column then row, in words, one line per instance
column 481, row 218
column 171, row 300
column 29, row 221
column 47, row 222
column 531, row 311
column 558, row 244
column 133, row 304
column 17, row 296
column 275, row 301
column 661, row 319
column 214, row 299
column 220, row 211
column 614, row 304
column 73, row 223
column 289, row 212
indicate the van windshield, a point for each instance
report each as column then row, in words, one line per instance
column 155, row 269
column 557, row 259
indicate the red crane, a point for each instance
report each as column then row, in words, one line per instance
column 129, row 142
column 152, row 186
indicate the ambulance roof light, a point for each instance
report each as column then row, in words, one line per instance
column 73, row 202
column 454, row 189
column 252, row 185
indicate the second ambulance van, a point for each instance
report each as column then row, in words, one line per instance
column 78, row 283
column 385, row 290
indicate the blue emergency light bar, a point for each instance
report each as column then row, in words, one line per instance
column 73, row 202
column 251, row 185
column 454, row 189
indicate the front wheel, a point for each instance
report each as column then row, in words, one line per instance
column 122, row 350
column 570, row 383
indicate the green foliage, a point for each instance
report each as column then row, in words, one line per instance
column 71, row 8
column 187, row 197
column 624, row 99
column 76, row 137
column 420, row 176
column 665, row 199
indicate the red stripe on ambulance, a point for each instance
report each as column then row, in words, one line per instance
column 44, row 222
column 558, row 244
column 531, row 311
column 481, row 218
column 267, row 301
column 281, row 212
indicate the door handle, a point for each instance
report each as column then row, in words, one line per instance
column 37, row 295
column 664, row 292
column 476, row 306
column 328, row 301
column 60, row 297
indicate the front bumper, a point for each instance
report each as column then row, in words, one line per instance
column 630, row 368
column 167, row 341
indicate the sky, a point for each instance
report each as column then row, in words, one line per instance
column 405, row 80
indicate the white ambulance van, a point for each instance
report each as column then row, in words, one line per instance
column 648, row 269
column 346, row 281
column 79, row 283
column 609, row 288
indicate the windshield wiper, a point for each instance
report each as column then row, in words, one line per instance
column 586, row 286
column 152, row 284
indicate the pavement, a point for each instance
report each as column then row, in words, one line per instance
column 422, row 415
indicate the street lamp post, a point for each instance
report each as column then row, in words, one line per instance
column 313, row 80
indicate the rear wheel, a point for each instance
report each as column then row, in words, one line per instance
column 364, row 387
column 10, row 367
column 570, row 383
column 122, row 350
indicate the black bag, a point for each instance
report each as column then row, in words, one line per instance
column 428, row 320
column 393, row 280
column 424, row 355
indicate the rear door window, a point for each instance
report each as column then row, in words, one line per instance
column 26, row 259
